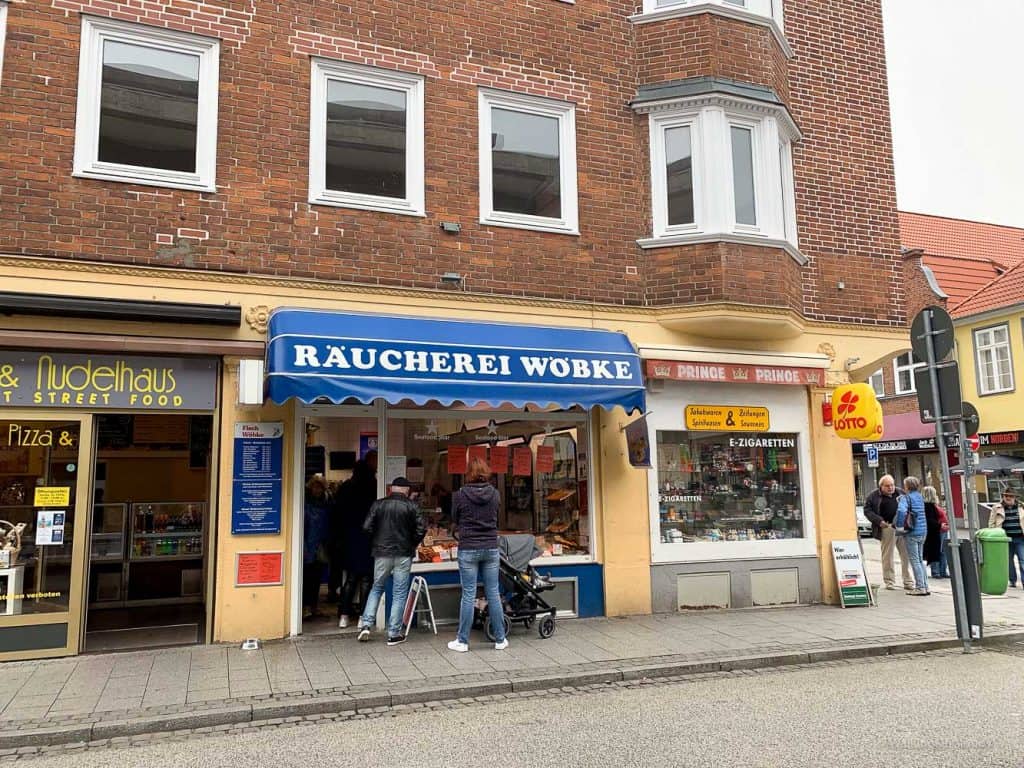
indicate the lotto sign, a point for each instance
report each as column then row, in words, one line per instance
column 858, row 414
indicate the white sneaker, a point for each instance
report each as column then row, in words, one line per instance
column 343, row 622
column 458, row 647
column 364, row 634
column 502, row 645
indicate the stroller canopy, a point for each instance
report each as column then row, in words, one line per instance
column 518, row 549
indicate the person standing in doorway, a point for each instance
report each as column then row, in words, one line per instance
column 475, row 515
column 352, row 546
column 880, row 508
column 314, row 550
column 912, row 525
column 396, row 528
column 1013, row 528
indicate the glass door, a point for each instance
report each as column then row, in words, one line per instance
column 44, row 482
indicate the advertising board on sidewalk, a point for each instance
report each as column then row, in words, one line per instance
column 850, row 575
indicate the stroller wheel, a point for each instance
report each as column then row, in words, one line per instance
column 490, row 632
column 546, row 628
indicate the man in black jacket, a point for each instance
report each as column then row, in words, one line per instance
column 880, row 508
column 395, row 528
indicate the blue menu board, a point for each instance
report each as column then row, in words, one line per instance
column 256, row 487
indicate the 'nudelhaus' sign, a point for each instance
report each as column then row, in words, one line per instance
column 57, row 380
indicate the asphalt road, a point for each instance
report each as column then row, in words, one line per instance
column 935, row 710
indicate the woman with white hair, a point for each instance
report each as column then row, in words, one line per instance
column 910, row 519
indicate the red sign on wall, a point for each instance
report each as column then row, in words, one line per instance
column 499, row 459
column 259, row 569
column 522, row 461
column 735, row 373
column 478, row 452
column 457, row 460
column 545, row 459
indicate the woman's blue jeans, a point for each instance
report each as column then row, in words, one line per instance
column 915, row 553
column 479, row 565
column 940, row 568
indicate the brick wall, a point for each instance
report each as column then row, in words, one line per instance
column 259, row 219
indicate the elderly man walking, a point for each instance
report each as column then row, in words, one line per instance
column 880, row 508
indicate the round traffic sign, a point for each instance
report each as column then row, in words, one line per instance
column 974, row 441
column 972, row 422
column 941, row 335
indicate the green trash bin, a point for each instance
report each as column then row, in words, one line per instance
column 994, row 573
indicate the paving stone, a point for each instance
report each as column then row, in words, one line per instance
column 183, row 721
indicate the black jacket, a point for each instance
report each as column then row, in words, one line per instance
column 878, row 507
column 395, row 526
column 475, row 514
column 352, row 505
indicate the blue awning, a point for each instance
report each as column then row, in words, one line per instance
column 314, row 355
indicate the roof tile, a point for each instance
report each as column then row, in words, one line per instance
column 939, row 236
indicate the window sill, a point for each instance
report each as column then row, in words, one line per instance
column 554, row 226
column 369, row 203
column 739, row 14
column 670, row 241
column 146, row 181
column 1009, row 391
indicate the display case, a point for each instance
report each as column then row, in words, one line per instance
column 163, row 531
column 741, row 487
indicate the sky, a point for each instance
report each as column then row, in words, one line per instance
column 956, row 87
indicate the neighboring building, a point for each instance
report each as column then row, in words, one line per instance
column 961, row 259
column 699, row 196
column 990, row 349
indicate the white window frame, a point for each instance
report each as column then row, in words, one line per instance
column 747, row 10
column 3, row 36
column 981, row 346
column 659, row 172
column 323, row 70
column 711, row 119
column 877, row 382
column 897, row 369
column 96, row 31
column 565, row 113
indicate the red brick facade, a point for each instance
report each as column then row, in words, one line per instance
column 259, row 220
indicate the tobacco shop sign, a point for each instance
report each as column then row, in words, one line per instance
column 57, row 380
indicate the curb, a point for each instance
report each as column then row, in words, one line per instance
column 54, row 735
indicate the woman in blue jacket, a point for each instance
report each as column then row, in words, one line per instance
column 911, row 505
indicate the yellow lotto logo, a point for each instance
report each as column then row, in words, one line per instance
column 858, row 414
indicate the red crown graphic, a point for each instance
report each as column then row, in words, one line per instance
column 848, row 404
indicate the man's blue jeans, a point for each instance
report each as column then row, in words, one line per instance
column 400, row 568
column 1016, row 547
column 915, row 553
column 479, row 564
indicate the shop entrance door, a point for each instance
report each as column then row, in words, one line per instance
column 43, row 506
column 150, row 531
column 340, row 451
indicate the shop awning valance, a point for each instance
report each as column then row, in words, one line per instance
column 316, row 355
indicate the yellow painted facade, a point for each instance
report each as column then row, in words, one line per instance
column 622, row 517
column 1003, row 411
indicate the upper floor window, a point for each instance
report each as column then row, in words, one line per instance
column 769, row 9
column 721, row 169
column 527, row 162
column 366, row 138
column 995, row 364
column 877, row 382
column 147, row 106
column 903, row 368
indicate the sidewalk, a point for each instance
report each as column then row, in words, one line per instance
column 98, row 697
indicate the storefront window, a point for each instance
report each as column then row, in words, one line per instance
column 728, row 487
column 38, row 477
column 540, row 471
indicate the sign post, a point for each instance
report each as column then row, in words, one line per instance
column 931, row 337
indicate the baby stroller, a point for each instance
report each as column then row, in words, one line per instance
column 520, row 586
